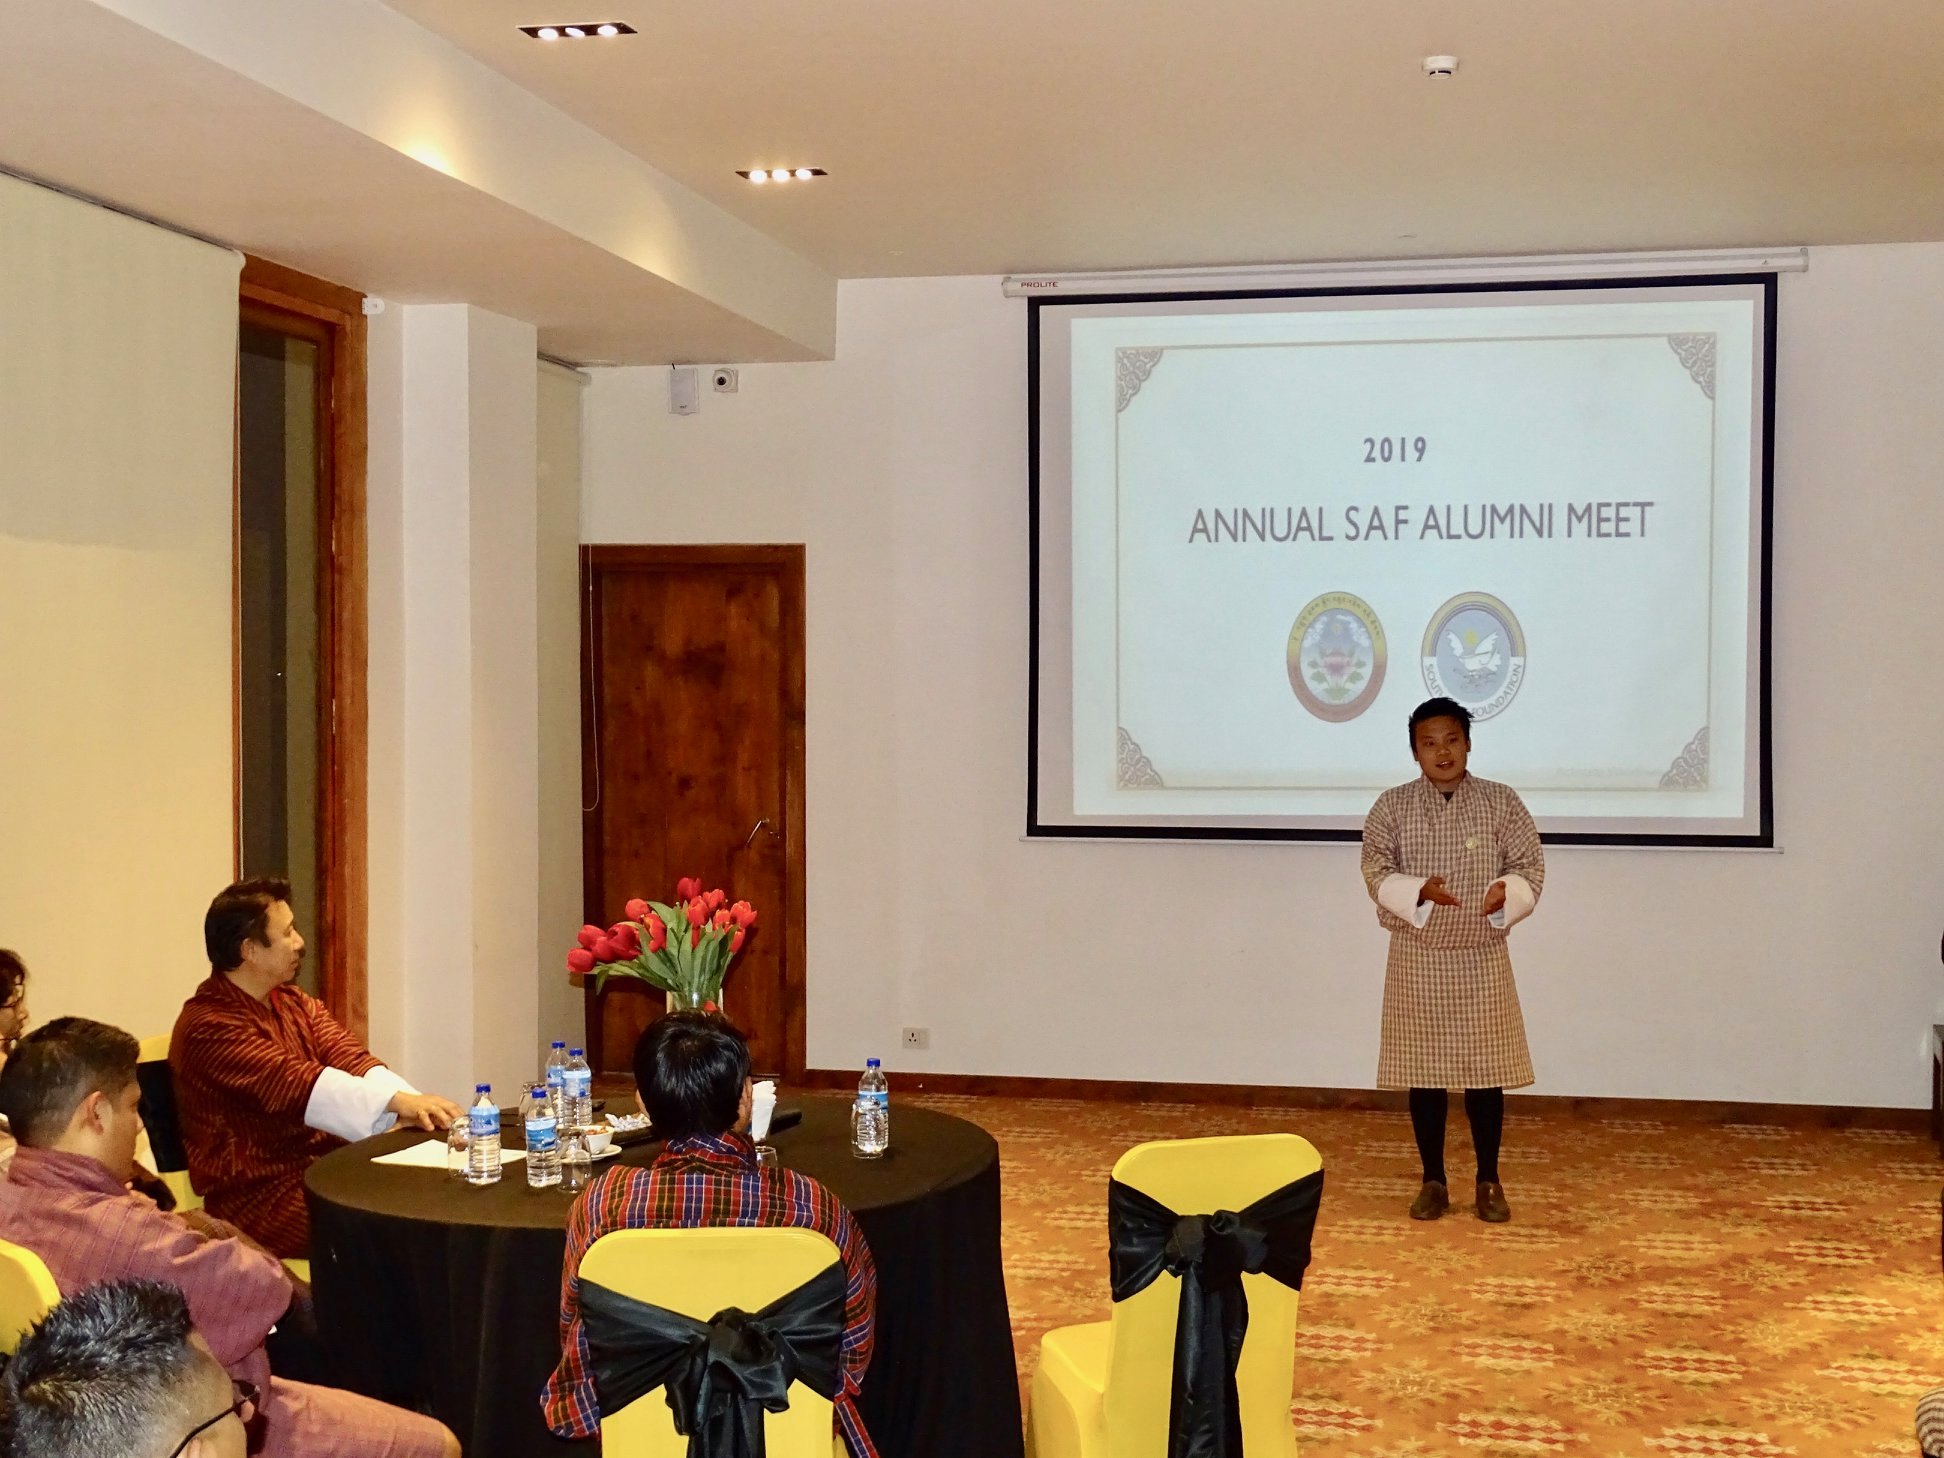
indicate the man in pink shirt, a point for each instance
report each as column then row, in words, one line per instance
column 70, row 1094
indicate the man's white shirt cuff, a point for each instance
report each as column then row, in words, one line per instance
column 1398, row 894
column 354, row 1108
column 1520, row 898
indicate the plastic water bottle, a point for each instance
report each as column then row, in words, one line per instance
column 576, row 1166
column 871, row 1114
column 483, row 1154
column 579, row 1089
column 458, row 1141
column 556, row 1077
column 542, row 1139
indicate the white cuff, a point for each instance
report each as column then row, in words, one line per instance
column 1398, row 894
column 354, row 1108
column 1519, row 901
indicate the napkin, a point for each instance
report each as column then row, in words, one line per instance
column 762, row 1104
column 431, row 1154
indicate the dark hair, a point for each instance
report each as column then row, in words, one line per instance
column 13, row 972
column 240, row 913
column 55, row 1067
column 691, row 1068
column 1440, row 708
column 109, row 1370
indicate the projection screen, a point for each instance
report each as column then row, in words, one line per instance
column 1265, row 526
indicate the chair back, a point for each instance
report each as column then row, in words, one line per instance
column 698, row 1273
column 27, row 1293
column 161, row 1126
column 1198, row 1177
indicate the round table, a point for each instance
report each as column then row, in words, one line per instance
column 446, row 1298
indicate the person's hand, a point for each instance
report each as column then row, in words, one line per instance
column 1433, row 890
column 424, row 1111
column 1494, row 899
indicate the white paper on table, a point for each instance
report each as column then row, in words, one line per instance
column 431, row 1154
column 762, row 1106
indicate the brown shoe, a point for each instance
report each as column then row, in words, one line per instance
column 1491, row 1203
column 1431, row 1202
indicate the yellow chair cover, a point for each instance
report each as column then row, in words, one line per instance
column 1102, row 1390
column 27, row 1293
column 698, row 1273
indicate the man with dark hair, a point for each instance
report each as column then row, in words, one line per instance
column 1453, row 863
column 692, row 1080
column 71, row 1094
column 118, row 1369
column 266, row 1080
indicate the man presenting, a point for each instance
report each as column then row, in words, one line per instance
column 266, row 1080
column 1453, row 863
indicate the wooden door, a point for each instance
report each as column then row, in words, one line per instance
column 692, row 739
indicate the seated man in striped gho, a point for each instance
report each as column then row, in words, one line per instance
column 266, row 1080
column 692, row 1077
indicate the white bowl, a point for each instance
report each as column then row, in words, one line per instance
column 599, row 1136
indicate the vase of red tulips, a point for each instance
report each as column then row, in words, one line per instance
column 684, row 946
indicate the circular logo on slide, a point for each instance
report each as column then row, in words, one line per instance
column 1475, row 652
column 1336, row 656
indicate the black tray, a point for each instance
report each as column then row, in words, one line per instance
column 783, row 1118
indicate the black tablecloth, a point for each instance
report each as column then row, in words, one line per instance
column 440, row 1296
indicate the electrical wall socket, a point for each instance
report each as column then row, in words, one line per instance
column 917, row 1038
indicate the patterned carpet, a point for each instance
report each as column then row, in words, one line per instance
column 1667, row 1286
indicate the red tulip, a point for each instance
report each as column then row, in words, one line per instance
column 580, row 960
column 636, row 909
column 589, row 935
column 743, row 914
column 721, row 920
column 606, row 951
column 715, row 898
column 736, row 941
column 687, row 888
column 695, row 937
column 698, row 911
column 657, row 933
column 709, row 1006
column 627, row 937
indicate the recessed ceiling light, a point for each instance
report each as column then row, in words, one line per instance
column 805, row 173
column 580, row 30
column 759, row 175
column 780, row 174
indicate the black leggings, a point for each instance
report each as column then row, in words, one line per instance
column 1484, row 1107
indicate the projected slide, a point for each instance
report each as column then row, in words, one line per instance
column 1270, row 528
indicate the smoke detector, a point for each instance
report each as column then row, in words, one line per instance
column 1440, row 65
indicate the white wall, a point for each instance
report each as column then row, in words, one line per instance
column 117, row 810
column 1805, row 976
column 473, row 504
column 562, row 1010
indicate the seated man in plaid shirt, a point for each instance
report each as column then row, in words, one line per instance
column 692, row 1071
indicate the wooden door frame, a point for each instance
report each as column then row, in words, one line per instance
column 269, row 292
column 787, row 559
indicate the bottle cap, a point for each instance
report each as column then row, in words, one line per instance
column 482, row 1088
column 577, row 1052
column 559, row 1044
column 870, row 1063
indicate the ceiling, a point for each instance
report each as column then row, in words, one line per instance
column 993, row 136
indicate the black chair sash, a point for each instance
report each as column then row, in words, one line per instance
column 722, row 1374
column 1210, row 1253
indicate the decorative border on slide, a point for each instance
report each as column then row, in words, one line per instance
column 1690, row 768
column 1131, row 370
column 1133, row 769
column 1696, row 352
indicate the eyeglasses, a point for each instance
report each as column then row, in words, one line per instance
column 243, row 1409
